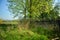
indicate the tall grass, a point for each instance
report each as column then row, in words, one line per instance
column 20, row 34
column 33, row 33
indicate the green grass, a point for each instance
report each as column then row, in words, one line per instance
column 33, row 33
column 21, row 34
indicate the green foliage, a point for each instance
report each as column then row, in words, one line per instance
column 21, row 34
column 50, row 33
column 35, row 33
column 30, row 8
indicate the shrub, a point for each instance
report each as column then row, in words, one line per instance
column 44, row 31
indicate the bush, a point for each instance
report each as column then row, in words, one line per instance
column 21, row 34
column 44, row 31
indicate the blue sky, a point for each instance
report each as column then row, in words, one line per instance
column 4, row 12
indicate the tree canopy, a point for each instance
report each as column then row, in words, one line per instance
column 34, row 9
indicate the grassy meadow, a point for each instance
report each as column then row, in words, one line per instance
column 40, row 31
